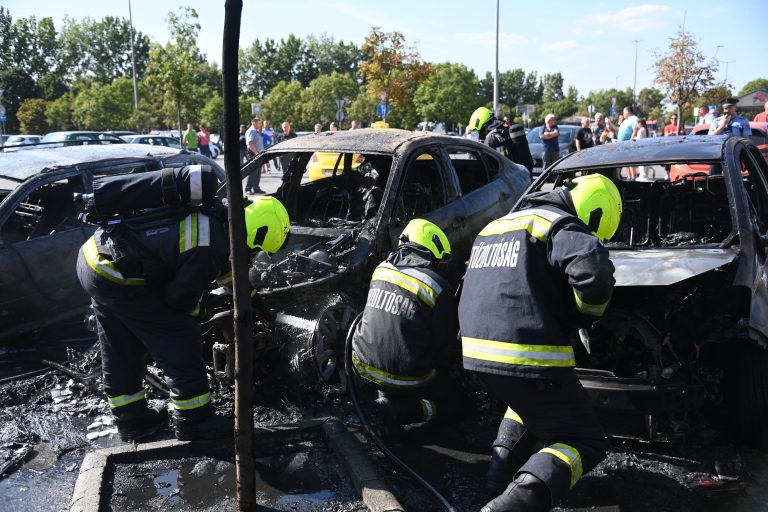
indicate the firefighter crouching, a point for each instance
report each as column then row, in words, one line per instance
column 407, row 337
column 146, row 286
column 534, row 277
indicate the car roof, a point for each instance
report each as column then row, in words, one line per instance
column 365, row 140
column 20, row 165
column 654, row 149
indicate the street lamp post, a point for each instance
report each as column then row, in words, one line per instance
column 634, row 84
column 133, row 62
column 496, row 68
column 726, row 62
column 617, row 82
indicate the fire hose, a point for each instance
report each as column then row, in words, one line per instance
column 372, row 433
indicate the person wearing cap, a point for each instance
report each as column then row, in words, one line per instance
column 406, row 339
column 535, row 278
column 730, row 123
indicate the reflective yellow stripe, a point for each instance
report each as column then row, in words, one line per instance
column 225, row 279
column 589, row 309
column 514, row 353
column 428, row 409
column 120, row 401
column 512, row 415
column 570, row 456
column 106, row 268
column 390, row 274
column 192, row 403
column 536, row 227
column 390, row 379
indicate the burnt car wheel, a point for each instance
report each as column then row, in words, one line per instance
column 328, row 341
column 748, row 390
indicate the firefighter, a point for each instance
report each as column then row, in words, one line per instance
column 407, row 338
column 534, row 278
column 146, row 284
column 508, row 140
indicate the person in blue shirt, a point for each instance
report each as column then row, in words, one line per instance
column 730, row 123
column 628, row 127
column 549, row 134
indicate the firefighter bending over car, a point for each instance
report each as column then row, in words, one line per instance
column 507, row 140
column 535, row 277
column 407, row 338
column 146, row 280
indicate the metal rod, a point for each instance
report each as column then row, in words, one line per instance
column 496, row 68
column 244, row 456
column 133, row 62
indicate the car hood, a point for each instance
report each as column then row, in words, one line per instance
column 663, row 267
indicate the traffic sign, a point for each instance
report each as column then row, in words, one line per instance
column 340, row 104
column 340, row 116
column 383, row 109
column 591, row 108
column 2, row 110
column 256, row 109
column 3, row 118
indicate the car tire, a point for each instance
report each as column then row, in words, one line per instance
column 328, row 340
column 746, row 388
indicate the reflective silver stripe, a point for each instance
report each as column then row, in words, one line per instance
column 390, row 379
column 192, row 403
column 428, row 408
column 546, row 214
column 570, row 456
column 517, row 354
column 391, row 274
column 203, row 230
column 195, row 184
column 421, row 276
column 187, row 227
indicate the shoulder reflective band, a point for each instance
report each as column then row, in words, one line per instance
column 192, row 403
column 390, row 379
column 194, row 231
column 514, row 353
column 106, row 268
column 589, row 309
column 390, row 274
column 195, row 185
column 512, row 415
column 569, row 455
column 225, row 279
column 428, row 409
column 536, row 222
column 120, row 401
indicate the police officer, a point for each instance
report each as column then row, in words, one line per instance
column 146, row 286
column 404, row 344
column 507, row 139
column 534, row 278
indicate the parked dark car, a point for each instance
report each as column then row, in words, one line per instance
column 567, row 133
column 343, row 225
column 40, row 233
column 684, row 339
column 80, row 138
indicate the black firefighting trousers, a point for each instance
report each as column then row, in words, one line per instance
column 556, row 414
column 133, row 321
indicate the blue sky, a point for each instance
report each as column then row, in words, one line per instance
column 590, row 43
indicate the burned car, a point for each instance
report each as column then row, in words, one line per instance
column 40, row 233
column 343, row 225
column 684, row 340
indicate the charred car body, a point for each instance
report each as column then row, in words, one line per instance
column 686, row 332
column 40, row 232
column 343, row 225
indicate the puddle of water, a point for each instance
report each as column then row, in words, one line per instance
column 167, row 484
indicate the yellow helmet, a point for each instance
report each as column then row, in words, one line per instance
column 428, row 235
column 481, row 119
column 598, row 204
column 266, row 224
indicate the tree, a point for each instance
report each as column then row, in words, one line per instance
column 683, row 72
column 104, row 107
column 515, row 88
column 392, row 69
column 650, row 103
column 319, row 99
column 172, row 68
column 363, row 107
column 553, row 87
column 212, row 114
column 714, row 95
column 31, row 116
column 449, row 95
column 754, row 85
column 283, row 103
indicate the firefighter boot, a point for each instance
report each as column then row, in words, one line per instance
column 501, row 471
column 202, row 423
column 139, row 421
column 385, row 417
column 525, row 494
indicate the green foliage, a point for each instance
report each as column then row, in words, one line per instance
column 319, row 99
column 363, row 107
column 104, row 107
column 553, row 88
column 245, row 109
column 449, row 95
column 515, row 88
column 602, row 101
column 212, row 114
column 31, row 116
column 650, row 103
column 59, row 113
column 754, row 85
column 283, row 103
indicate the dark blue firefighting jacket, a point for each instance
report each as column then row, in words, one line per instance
column 408, row 323
column 534, row 277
